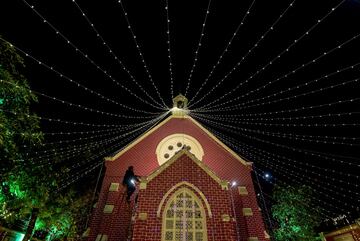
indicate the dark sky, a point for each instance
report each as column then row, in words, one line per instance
column 312, row 146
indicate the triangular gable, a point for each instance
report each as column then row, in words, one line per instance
column 205, row 168
column 208, row 133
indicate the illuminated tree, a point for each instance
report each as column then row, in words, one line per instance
column 18, row 126
column 296, row 220
column 27, row 189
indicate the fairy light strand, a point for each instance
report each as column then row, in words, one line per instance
column 280, row 124
column 78, row 176
column 138, row 130
column 80, row 106
column 113, row 132
column 308, row 138
column 198, row 48
column 305, row 151
column 245, row 56
column 277, row 159
column 111, row 52
column 322, row 172
column 70, row 154
column 169, row 49
column 311, row 107
column 139, row 51
column 294, row 118
column 306, row 84
column 286, row 184
column 278, row 56
column 244, row 106
column 326, row 53
column 75, row 83
column 292, row 173
column 77, row 50
column 325, row 193
column 224, row 51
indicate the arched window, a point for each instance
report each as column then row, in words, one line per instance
column 184, row 218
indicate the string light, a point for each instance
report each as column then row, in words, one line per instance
column 290, row 89
column 80, row 175
column 311, row 117
column 84, row 138
column 305, row 151
column 169, row 49
column 285, row 124
column 77, row 84
column 87, row 57
column 70, row 155
column 90, row 109
column 293, row 72
column 318, row 208
column 291, row 110
column 301, row 170
column 277, row 157
column 112, row 133
column 111, row 52
column 197, row 48
column 292, row 173
column 77, row 152
column 99, row 146
column 63, row 151
column 321, row 211
column 264, row 173
column 91, row 140
column 152, row 124
column 246, row 55
column 139, row 51
column 286, row 135
column 278, row 56
column 115, row 132
column 225, row 51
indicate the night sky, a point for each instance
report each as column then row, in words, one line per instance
column 278, row 81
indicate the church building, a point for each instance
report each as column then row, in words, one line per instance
column 192, row 187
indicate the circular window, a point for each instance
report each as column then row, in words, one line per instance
column 172, row 144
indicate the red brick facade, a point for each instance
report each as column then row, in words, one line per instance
column 244, row 220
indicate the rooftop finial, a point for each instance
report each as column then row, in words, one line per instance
column 179, row 105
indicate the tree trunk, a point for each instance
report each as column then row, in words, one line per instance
column 31, row 225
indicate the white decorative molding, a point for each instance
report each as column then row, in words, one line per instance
column 171, row 144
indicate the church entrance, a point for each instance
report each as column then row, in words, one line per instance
column 184, row 218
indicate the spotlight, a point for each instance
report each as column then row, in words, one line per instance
column 233, row 183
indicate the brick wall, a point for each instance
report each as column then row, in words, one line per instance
column 142, row 156
column 184, row 169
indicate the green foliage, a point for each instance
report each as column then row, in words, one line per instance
column 24, row 185
column 296, row 221
column 18, row 126
column 63, row 215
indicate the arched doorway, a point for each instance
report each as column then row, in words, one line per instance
column 184, row 217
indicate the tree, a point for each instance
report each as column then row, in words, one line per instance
column 18, row 126
column 28, row 189
column 296, row 220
